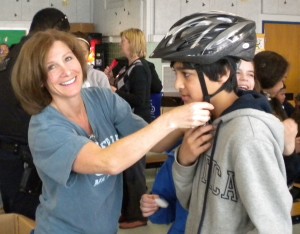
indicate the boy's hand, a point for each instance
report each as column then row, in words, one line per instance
column 195, row 142
column 148, row 205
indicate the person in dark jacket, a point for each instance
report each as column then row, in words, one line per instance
column 122, row 63
column 133, row 84
column 19, row 182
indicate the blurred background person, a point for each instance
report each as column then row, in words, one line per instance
column 20, row 185
column 245, row 75
column 95, row 78
column 134, row 86
column 271, row 70
column 285, row 104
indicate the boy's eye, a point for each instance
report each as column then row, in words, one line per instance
column 186, row 74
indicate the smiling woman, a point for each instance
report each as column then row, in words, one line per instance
column 75, row 136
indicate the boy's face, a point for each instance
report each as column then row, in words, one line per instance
column 187, row 83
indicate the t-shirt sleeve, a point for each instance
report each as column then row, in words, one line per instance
column 124, row 120
column 54, row 146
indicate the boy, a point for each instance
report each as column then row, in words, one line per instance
column 239, row 184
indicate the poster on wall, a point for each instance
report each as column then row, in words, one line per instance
column 260, row 43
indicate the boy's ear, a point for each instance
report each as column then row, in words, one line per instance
column 225, row 77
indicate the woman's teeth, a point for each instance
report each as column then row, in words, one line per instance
column 69, row 82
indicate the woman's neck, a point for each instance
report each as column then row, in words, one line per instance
column 75, row 111
column 132, row 59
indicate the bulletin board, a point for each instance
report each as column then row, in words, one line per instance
column 11, row 37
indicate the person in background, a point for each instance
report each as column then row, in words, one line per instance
column 271, row 71
column 164, row 187
column 120, row 68
column 82, row 139
column 19, row 183
column 4, row 50
column 95, row 78
column 134, row 86
column 241, row 178
column 245, row 75
column 286, row 106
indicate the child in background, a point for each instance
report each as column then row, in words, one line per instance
column 287, row 107
column 164, row 188
column 245, row 75
column 95, row 78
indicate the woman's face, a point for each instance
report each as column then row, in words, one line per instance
column 125, row 47
column 64, row 72
column 245, row 75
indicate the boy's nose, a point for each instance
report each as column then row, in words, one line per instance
column 178, row 83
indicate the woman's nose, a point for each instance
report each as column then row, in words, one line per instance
column 65, row 71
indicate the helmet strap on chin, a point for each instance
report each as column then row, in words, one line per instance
column 206, row 96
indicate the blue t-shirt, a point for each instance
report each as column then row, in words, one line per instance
column 73, row 202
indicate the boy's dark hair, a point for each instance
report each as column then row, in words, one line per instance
column 220, row 68
column 216, row 70
column 49, row 18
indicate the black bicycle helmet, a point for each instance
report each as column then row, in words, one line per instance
column 204, row 38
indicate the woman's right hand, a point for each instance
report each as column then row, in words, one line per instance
column 108, row 72
column 190, row 115
column 148, row 205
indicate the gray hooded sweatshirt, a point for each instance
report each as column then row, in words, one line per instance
column 247, row 184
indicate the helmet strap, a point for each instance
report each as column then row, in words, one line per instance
column 206, row 96
column 220, row 89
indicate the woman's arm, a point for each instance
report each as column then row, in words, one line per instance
column 122, row 154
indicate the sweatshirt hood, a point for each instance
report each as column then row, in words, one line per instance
column 254, row 105
column 250, row 99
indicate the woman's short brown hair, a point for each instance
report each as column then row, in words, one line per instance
column 29, row 74
column 137, row 41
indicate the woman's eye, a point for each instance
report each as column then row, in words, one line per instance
column 69, row 58
column 50, row 67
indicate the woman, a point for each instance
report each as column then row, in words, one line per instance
column 74, row 136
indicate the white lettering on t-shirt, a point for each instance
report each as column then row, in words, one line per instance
column 105, row 143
